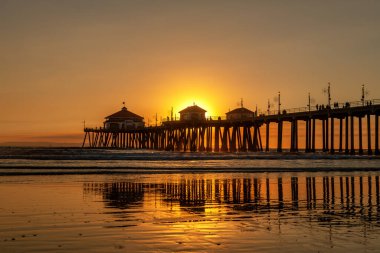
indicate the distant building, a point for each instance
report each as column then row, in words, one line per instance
column 193, row 113
column 240, row 114
column 123, row 119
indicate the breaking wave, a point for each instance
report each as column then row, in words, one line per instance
column 83, row 161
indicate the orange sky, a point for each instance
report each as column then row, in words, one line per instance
column 63, row 62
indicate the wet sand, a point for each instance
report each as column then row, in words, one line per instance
column 224, row 212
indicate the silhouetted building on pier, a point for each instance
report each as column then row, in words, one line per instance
column 193, row 113
column 123, row 119
column 240, row 114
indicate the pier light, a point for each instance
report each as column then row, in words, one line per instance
column 365, row 93
column 328, row 92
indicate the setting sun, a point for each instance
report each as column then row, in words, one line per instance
column 189, row 126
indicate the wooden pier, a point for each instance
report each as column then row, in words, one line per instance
column 217, row 134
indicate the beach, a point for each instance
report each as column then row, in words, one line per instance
column 224, row 205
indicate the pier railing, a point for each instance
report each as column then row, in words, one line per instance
column 317, row 107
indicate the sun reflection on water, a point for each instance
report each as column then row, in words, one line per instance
column 227, row 211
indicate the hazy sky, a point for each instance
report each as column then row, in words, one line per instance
column 62, row 62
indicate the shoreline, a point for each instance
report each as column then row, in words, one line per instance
column 57, row 170
column 188, row 156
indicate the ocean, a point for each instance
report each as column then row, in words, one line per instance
column 102, row 200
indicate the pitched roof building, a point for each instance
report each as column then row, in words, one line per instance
column 123, row 119
column 193, row 113
column 240, row 114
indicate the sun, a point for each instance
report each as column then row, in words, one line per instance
column 186, row 91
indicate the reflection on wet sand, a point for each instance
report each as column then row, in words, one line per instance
column 334, row 200
column 223, row 212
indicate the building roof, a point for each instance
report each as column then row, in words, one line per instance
column 193, row 108
column 240, row 110
column 124, row 114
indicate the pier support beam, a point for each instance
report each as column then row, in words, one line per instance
column 332, row 150
column 279, row 136
column 340, row 135
column 369, row 147
column 296, row 136
column 323, row 135
column 267, row 137
column 232, row 142
column 260, row 147
column 313, row 136
column 377, row 152
column 310, row 135
column 84, row 139
column 327, row 134
column 352, row 136
column 346, row 135
column 216, row 138
column 225, row 139
column 292, row 136
column 360, row 136
column 307, row 136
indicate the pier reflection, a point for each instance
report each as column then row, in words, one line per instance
column 120, row 195
column 327, row 199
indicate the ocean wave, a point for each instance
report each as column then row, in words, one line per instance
column 24, row 171
column 23, row 161
column 149, row 155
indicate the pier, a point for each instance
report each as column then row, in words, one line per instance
column 339, row 127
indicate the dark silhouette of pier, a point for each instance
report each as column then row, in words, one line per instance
column 220, row 134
